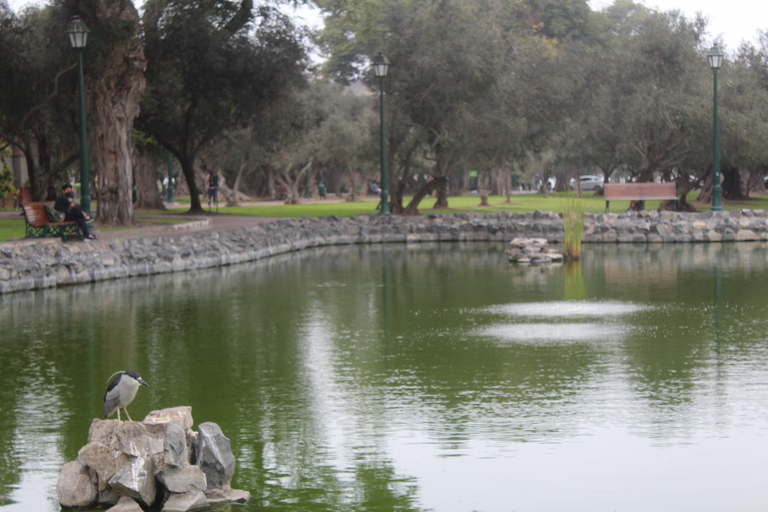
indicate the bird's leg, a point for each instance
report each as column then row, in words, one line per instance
column 118, row 415
column 126, row 413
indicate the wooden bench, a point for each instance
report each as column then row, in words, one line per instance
column 281, row 192
column 38, row 226
column 639, row 192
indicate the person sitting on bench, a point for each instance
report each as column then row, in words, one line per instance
column 71, row 211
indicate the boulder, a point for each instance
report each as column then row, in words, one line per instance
column 103, row 460
column 218, row 496
column 175, row 453
column 181, row 415
column 136, row 478
column 185, row 502
column 182, row 480
column 214, row 456
column 126, row 504
column 75, row 487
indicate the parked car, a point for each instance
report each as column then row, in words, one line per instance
column 589, row 182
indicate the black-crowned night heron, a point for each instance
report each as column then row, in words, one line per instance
column 121, row 392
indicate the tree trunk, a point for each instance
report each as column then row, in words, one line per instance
column 234, row 199
column 705, row 196
column 442, row 195
column 731, row 185
column 413, row 206
column 29, row 157
column 293, row 185
column 114, row 92
column 351, row 197
column 271, row 181
column 188, row 169
column 146, row 179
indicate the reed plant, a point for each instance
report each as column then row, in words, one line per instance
column 573, row 225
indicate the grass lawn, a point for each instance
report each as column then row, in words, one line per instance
column 14, row 228
column 524, row 203
column 11, row 228
column 519, row 204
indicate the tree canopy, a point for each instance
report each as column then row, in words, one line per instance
column 535, row 87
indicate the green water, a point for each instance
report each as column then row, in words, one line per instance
column 429, row 377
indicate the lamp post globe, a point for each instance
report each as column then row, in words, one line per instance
column 78, row 36
column 380, row 68
column 715, row 57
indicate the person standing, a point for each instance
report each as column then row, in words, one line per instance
column 212, row 187
column 72, row 211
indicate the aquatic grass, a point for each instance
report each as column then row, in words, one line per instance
column 573, row 226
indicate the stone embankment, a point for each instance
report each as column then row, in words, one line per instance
column 50, row 263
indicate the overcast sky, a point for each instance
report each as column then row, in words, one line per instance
column 734, row 20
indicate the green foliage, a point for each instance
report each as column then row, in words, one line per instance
column 7, row 191
column 37, row 91
column 212, row 68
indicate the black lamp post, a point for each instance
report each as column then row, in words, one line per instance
column 78, row 34
column 380, row 68
column 715, row 56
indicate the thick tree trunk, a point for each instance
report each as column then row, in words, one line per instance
column 731, row 185
column 146, row 177
column 114, row 92
column 442, row 195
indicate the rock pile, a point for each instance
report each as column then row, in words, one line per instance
column 532, row 250
column 159, row 463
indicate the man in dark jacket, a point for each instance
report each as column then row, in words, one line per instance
column 71, row 211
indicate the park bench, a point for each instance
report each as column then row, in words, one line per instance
column 639, row 192
column 281, row 192
column 38, row 225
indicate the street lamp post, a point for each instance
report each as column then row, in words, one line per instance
column 715, row 56
column 78, row 34
column 380, row 68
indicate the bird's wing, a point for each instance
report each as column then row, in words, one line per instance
column 110, row 406
column 110, row 403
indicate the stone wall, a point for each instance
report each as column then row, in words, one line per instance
column 50, row 263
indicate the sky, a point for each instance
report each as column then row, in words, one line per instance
column 735, row 20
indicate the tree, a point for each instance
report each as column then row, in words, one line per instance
column 211, row 68
column 115, row 83
column 647, row 104
column 35, row 105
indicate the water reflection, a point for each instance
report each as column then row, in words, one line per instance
column 557, row 333
column 568, row 309
column 428, row 377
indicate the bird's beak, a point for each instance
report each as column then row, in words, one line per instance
column 141, row 381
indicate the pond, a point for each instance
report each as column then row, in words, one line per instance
column 421, row 377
